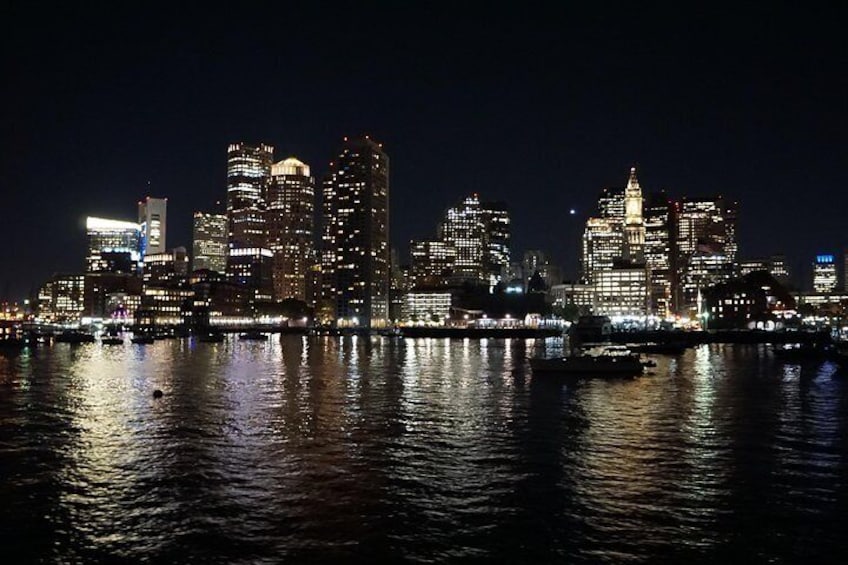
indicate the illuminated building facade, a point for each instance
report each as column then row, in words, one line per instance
column 824, row 274
column 62, row 298
column 603, row 242
column 248, row 174
column 496, row 241
column 432, row 262
column 152, row 220
column 611, row 204
column 252, row 268
column 747, row 266
column 209, row 248
column 426, row 307
column 100, row 288
column 289, row 218
column 779, row 269
column 634, row 225
column 113, row 246
column 464, row 230
column 355, row 260
column 622, row 291
column 581, row 296
column 166, row 269
column 660, row 252
column 706, row 246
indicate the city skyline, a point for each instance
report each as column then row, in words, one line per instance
column 542, row 120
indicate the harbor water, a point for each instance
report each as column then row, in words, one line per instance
column 375, row 449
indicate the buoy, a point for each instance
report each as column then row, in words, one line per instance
column 157, row 393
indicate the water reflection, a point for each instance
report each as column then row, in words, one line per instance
column 327, row 449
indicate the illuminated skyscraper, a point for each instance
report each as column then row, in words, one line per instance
column 355, row 259
column 464, row 230
column 603, row 242
column 113, row 246
column 634, row 225
column 152, row 217
column 660, row 252
column 248, row 174
column 824, row 274
column 706, row 232
column 209, row 250
column 289, row 218
column 432, row 262
column 496, row 239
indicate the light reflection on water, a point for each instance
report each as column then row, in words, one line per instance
column 328, row 449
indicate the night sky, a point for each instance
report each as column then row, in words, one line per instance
column 538, row 107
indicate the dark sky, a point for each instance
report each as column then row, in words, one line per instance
column 540, row 107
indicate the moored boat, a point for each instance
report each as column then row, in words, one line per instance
column 603, row 365
column 660, row 348
column 254, row 336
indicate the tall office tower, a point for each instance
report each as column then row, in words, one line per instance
column 209, row 250
column 463, row 228
column 603, row 241
column 824, row 274
column 611, row 204
column 114, row 246
column 660, row 252
column 152, row 217
column 706, row 232
column 432, row 262
column 634, row 225
column 496, row 238
column 248, row 173
column 289, row 218
column 355, row 260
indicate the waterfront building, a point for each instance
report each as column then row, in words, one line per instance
column 707, row 266
column 622, row 291
column 100, row 288
column 464, row 230
column 152, row 219
column 578, row 297
column 62, row 298
column 289, row 213
column 248, row 174
column 166, row 269
column 755, row 300
column 113, row 246
column 209, row 249
column 824, row 274
column 355, row 261
column 426, row 307
column 252, row 268
column 166, row 305
column 660, row 253
column 432, row 262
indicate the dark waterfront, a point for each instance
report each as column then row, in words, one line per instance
column 428, row 450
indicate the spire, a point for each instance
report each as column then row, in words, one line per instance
column 632, row 182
